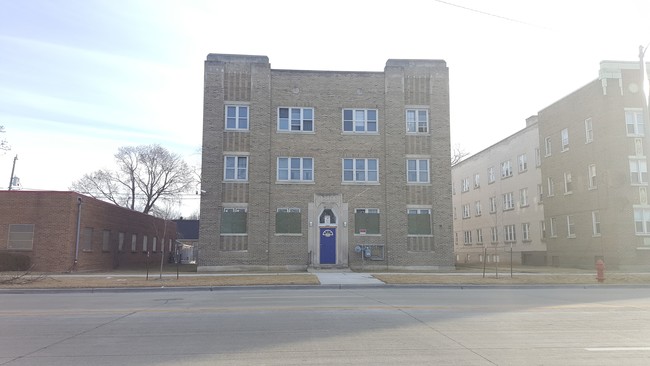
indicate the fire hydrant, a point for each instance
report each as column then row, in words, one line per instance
column 600, row 271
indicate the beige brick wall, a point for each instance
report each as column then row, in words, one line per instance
column 403, row 83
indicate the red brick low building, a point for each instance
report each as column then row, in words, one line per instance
column 67, row 231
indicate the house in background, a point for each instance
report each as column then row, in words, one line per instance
column 325, row 168
column 497, row 202
column 187, row 239
column 67, row 231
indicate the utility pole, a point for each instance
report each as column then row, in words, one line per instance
column 13, row 168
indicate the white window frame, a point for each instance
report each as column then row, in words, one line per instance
column 237, row 119
column 642, row 220
column 568, row 183
column 525, row 232
column 466, row 211
column 595, row 223
column 522, row 161
column 366, row 210
column 589, row 130
column 421, row 172
column 477, row 180
column 414, row 123
column 510, row 233
column 302, row 119
column 564, row 134
column 538, row 157
column 547, row 146
column 357, row 171
column 477, row 208
column 468, row 237
column 494, row 234
column 306, row 174
column 506, row 169
column 465, row 185
column 508, row 201
column 523, row 197
column 570, row 227
column 540, row 193
column 553, row 227
column 591, row 172
column 236, row 169
column 634, row 122
column 491, row 176
column 360, row 116
column 638, row 171
column 479, row 236
column 493, row 204
column 550, row 185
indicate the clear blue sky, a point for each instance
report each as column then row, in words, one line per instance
column 80, row 78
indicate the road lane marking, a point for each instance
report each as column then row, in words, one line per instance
column 617, row 349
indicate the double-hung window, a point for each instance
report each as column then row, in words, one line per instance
column 295, row 169
column 465, row 185
column 417, row 171
column 638, row 171
column 508, row 201
column 634, row 122
column 510, row 233
column 235, row 168
column 237, row 117
column 295, row 119
column 506, row 169
column 565, row 139
column 417, row 121
column 361, row 170
column 522, row 160
column 360, row 120
column 589, row 130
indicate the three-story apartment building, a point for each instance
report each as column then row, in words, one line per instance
column 325, row 168
column 497, row 202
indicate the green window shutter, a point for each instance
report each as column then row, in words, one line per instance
column 367, row 221
column 288, row 223
column 419, row 224
column 233, row 223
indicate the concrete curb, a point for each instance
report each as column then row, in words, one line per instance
column 312, row 287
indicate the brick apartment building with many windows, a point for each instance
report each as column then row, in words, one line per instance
column 594, row 150
column 498, row 202
column 325, row 168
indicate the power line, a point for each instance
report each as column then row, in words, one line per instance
column 489, row 14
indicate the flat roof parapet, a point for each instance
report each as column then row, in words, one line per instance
column 222, row 57
column 415, row 63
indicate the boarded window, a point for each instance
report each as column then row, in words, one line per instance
column 419, row 222
column 21, row 237
column 88, row 239
column 233, row 222
column 287, row 221
column 366, row 223
column 106, row 241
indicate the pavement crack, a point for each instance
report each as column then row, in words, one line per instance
column 68, row 338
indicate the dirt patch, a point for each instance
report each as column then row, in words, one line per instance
column 517, row 279
column 74, row 281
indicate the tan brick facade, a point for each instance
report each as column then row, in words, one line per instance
column 592, row 212
column 54, row 216
column 248, row 81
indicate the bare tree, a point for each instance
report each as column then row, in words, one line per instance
column 4, row 145
column 457, row 155
column 144, row 175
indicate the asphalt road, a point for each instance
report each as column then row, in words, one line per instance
column 368, row 326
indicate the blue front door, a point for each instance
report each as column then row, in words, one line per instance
column 327, row 245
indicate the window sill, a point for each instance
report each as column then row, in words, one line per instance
column 362, row 235
column 236, row 130
column 360, row 183
column 298, row 132
column 233, row 234
column 418, row 133
column 282, row 182
column 288, row 234
column 418, row 183
column 357, row 133
column 419, row 236
column 234, row 181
